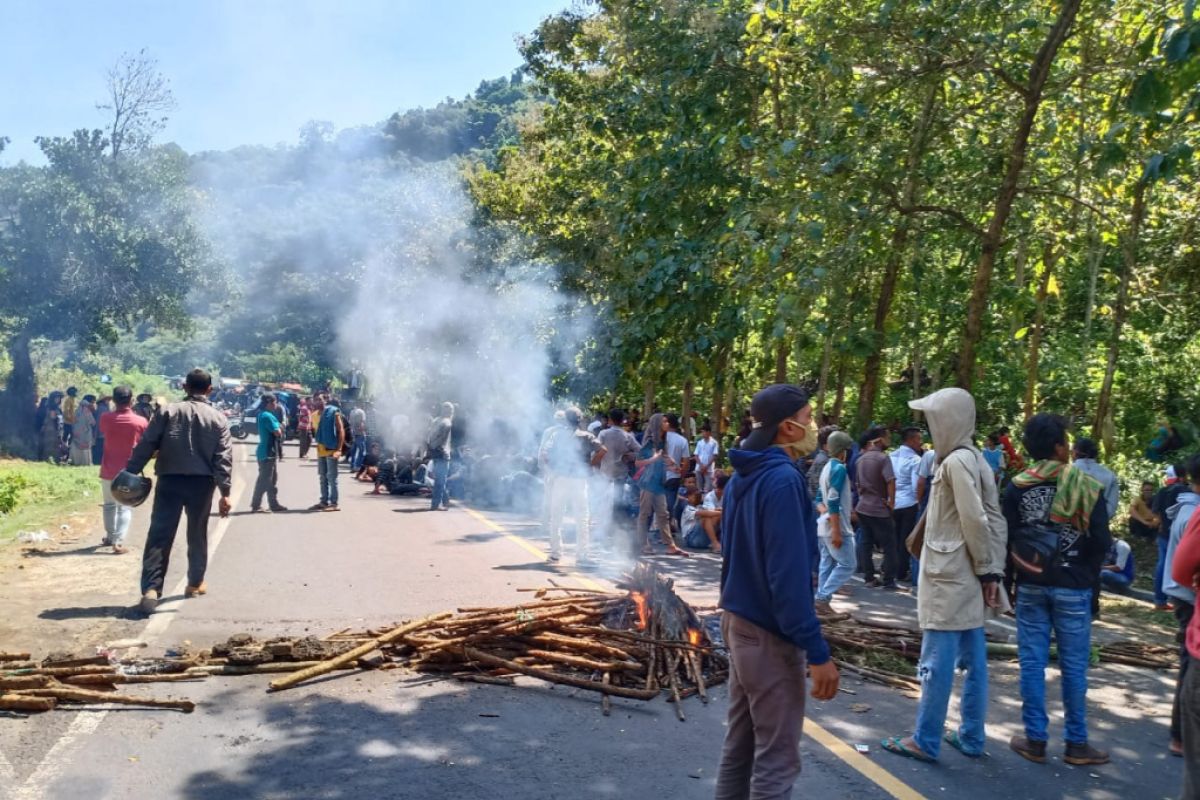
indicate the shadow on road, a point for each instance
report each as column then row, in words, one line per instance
column 91, row 612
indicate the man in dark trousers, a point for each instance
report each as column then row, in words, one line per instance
column 195, row 456
column 769, row 623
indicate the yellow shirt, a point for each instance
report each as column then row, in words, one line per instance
column 69, row 404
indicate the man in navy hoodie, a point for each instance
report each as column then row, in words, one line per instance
column 769, row 622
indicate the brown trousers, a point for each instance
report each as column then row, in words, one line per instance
column 761, row 755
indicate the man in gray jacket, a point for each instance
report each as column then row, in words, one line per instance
column 961, row 565
column 195, row 456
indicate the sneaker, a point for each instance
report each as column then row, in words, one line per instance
column 149, row 601
column 1082, row 754
column 331, row 507
column 1027, row 748
column 260, row 511
column 193, row 591
column 277, row 509
column 318, row 507
column 554, row 557
column 889, row 587
column 874, row 583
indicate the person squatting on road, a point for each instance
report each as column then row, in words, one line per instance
column 195, row 456
column 122, row 430
column 1058, row 537
column 571, row 455
column 769, row 622
column 835, row 532
column 438, row 446
column 270, row 435
column 962, row 566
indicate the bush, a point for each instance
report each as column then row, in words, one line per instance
column 11, row 486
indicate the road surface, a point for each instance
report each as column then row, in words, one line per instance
column 395, row 735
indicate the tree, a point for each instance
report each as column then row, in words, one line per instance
column 139, row 100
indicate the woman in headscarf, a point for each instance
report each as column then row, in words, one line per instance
column 83, row 435
column 651, row 480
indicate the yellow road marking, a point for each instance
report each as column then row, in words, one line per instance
column 861, row 763
column 839, row 749
column 531, row 547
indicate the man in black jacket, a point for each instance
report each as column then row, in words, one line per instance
column 195, row 456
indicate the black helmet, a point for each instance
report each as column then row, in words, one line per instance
column 129, row 489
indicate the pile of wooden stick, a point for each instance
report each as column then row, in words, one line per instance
column 639, row 644
column 27, row 687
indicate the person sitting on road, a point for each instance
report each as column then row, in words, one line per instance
column 1118, row 570
column 709, row 514
column 369, row 470
column 690, row 525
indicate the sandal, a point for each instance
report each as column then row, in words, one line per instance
column 954, row 740
column 896, row 745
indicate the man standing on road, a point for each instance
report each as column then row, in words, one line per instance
column 1183, row 596
column 876, row 496
column 677, row 453
column 270, row 434
column 1165, row 498
column 1185, row 570
column 769, row 622
column 620, row 449
column 706, row 459
column 906, row 463
column 438, row 446
column 304, row 427
column 834, row 530
column 1085, row 455
column 1058, row 537
column 571, row 456
column 358, row 426
column 331, row 442
column 962, row 564
column 121, row 429
column 195, row 456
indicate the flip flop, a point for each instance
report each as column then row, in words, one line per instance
column 896, row 745
column 952, row 738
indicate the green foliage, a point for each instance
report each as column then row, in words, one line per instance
column 45, row 494
column 11, row 486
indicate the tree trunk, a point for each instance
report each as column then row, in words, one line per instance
column 994, row 235
column 1129, row 250
column 18, row 401
column 647, row 398
column 689, row 389
column 782, row 351
column 718, row 389
column 891, row 272
column 839, row 399
column 826, row 362
column 1050, row 257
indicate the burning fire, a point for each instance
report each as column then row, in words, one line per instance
column 693, row 637
column 643, row 612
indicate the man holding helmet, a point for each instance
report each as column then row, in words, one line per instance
column 195, row 456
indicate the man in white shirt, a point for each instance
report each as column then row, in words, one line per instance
column 706, row 458
column 677, row 453
column 620, row 450
column 906, row 464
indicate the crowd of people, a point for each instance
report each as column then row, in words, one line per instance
column 67, row 426
column 794, row 511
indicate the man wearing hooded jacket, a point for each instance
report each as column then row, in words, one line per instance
column 769, row 621
column 961, row 565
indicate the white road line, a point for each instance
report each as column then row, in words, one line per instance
column 85, row 723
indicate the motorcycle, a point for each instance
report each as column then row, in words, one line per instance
column 237, row 427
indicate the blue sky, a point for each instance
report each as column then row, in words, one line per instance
column 251, row 71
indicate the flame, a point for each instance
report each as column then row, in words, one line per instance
column 639, row 600
column 693, row 637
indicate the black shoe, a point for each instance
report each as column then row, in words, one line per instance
column 278, row 508
column 1027, row 748
column 874, row 583
column 889, row 587
column 1083, row 754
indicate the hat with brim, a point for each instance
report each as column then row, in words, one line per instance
column 769, row 408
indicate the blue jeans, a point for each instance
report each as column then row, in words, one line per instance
column 941, row 653
column 1068, row 612
column 1160, row 598
column 836, row 565
column 358, row 451
column 441, row 490
column 1115, row 580
column 327, row 468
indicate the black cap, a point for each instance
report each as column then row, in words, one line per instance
column 769, row 408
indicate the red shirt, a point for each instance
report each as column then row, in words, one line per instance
column 1184, row 567
column 121, row 431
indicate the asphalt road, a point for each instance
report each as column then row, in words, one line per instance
column 394, row 735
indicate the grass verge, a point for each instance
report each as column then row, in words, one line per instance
column 1135, row 613
column 44, row 495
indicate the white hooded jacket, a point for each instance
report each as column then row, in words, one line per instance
column 965, row 532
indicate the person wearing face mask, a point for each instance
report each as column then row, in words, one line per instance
column 876, row 498
column 769, row 621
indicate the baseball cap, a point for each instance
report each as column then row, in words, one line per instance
column 770, row 407
column 838, row 443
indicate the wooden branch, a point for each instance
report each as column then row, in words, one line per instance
column 329, row 665
column 554, row 677
column 88, row 680
column 25, row 682
column 74, row 695
column 17, row 702
column 14, row 656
